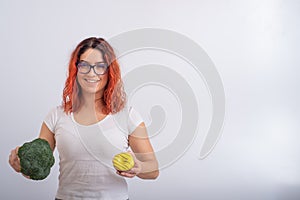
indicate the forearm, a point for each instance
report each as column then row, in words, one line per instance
column 149, row 170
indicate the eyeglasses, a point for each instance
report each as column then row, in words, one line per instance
column 99, row 68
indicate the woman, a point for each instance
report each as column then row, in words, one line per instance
column 93, row 124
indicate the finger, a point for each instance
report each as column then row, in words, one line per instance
column 17, row 151
column 13, row 154
column 16, row 167
column 17, row 156
column 11, row 158
column 125, row 174
column 14, row 161
column 26, row 176
column 128, row 175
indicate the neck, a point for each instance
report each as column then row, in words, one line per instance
column 93, row 101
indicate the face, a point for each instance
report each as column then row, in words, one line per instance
column 92, row 83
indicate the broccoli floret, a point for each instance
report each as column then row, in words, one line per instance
column 36, row 159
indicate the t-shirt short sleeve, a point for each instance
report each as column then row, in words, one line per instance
column 51, row 119
column 134, row 120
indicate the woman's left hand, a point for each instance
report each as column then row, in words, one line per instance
column 137, row 168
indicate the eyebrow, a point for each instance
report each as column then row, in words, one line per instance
column 90, row 63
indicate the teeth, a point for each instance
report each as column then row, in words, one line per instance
column 91, row 80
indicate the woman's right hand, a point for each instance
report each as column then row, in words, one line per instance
column 14, row 160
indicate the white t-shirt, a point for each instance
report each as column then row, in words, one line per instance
column 86, row 153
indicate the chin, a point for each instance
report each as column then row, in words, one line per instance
column 93, row 90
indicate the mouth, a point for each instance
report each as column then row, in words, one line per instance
column 92, row 80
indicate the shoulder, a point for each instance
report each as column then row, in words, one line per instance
column 133, row 113
column 59, row 110
column 128, row 118
column 134, row 118
column 127, row 111
column 56, row 113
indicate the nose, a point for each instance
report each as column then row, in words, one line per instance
column 92, row 71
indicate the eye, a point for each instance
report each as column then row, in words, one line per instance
column 101, row 65
column 83, row 64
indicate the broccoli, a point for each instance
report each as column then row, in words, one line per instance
column 36, row 159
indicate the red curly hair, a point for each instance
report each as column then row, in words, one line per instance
column 114, row 97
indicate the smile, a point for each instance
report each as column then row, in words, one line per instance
column 91, row 80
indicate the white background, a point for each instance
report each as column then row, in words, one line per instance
column 255, row 47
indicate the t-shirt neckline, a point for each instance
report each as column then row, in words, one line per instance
column 94, row 124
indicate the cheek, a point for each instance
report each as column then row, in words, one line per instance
column 104, row 80
column 103, row 83
column 79, row 80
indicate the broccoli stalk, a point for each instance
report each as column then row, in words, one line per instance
column 36, row 159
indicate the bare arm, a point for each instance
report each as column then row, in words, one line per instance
column 45, row 133
column 142, row 148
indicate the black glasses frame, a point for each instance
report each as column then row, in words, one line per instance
column 92, row 67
